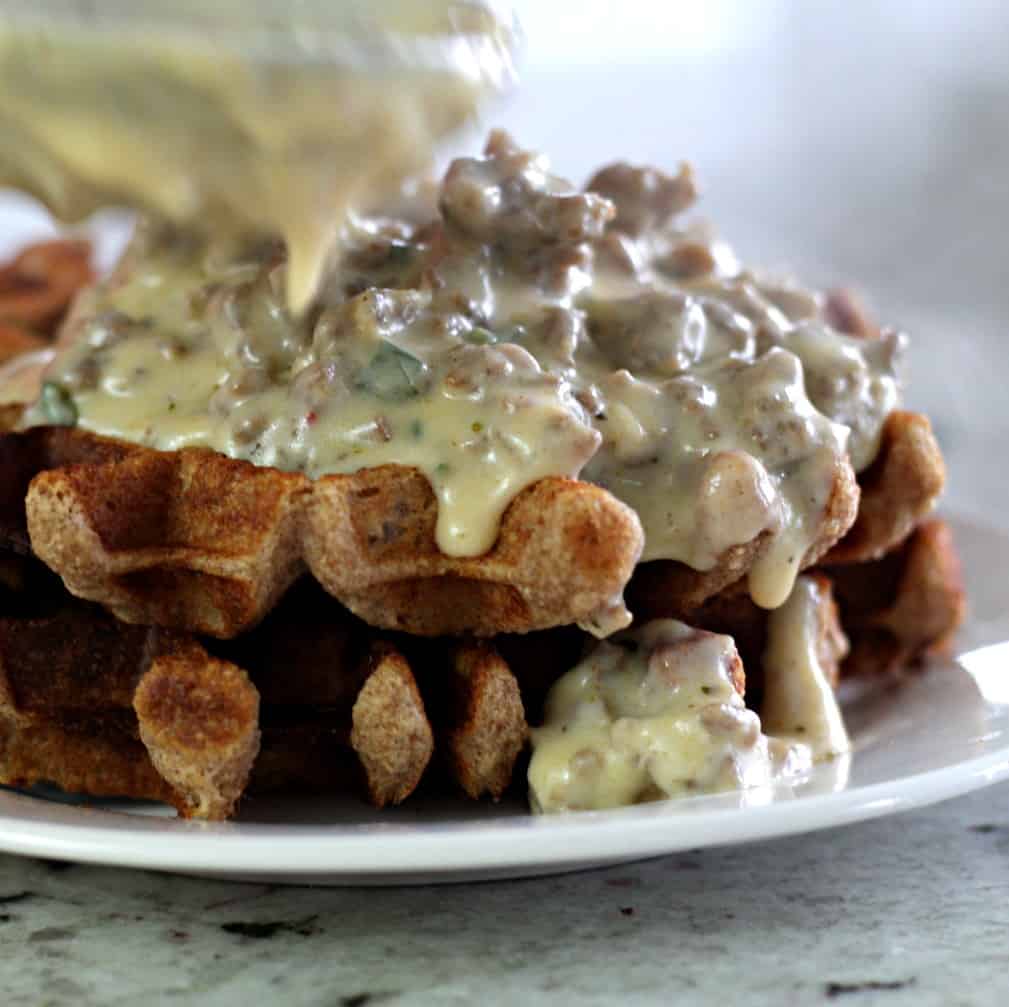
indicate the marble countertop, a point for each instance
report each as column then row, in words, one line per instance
column 832, row 159
column 904, row 910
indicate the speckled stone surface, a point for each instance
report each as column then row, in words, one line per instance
column 866, row 143
column 907, row 910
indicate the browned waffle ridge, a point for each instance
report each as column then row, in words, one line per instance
column 899, row 490
column 197, row 541
column 96, row 705
column 904, row 606
column 486, row 729
column 147, row 697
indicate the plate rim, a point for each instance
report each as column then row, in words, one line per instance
column 443, row 850
column 575, row 838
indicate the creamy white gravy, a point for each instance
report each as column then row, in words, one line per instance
column 223, row 120
column 521, row 328
column 798, row 701
column 653, row 713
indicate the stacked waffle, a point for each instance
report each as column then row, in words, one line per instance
column 186, row 627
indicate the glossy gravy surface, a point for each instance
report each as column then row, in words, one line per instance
column 653, row 713
column 223, row 121
column 507, row 326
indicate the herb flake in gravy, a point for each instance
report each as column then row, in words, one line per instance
column 522, row 328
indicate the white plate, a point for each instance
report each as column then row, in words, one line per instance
column 942, row 733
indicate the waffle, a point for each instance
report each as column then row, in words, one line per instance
column 475, row 722
column 904, row 606
column 196, row 541
column 260, row 681
column 105, row 708
column 895, row 576
column 102, row 707
column 893, row 496
column 894, row 610
column 665, row 589
column 339, row 704
column 184, row 727
column 189, row 540
column 899, row 490
column 478, row 714
column 206, row 723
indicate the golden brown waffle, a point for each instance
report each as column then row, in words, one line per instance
column 199, row 542
column 664, row 589
column 893, row 496
column 96, row 759
column 182, row 727
column 564, row 553
column 390, row 731
column 899, row 490
column 78, row 675
column 488, row 728
column 70, row 720
column 102, row 707
column 198, row 719
column 478, row 714
column 189, row 540
column 312, row 657
column 904, row 606
column 24, row 455
column 894, row 610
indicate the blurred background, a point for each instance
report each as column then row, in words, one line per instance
column 858, row 143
